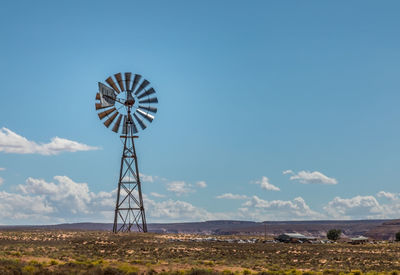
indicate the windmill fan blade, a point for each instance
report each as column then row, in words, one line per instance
column 142, row 125
column 118, row 77
column 150, row 100
column 150, row 109
column 147, row 116
column 128, row 80
column 146, row 93
column 135, row 81
column 111, row 82
column 105, row 113
column 97, row 96
column 124, row 126
column 135, row 130
column 142, row 86
column 116, row 125
column 110, row 120
column 100, row 106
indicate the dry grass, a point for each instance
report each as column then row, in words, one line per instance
column 66, row 252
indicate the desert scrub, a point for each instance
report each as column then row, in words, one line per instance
column 196, row 271
column 128, row 269
column 86, row 247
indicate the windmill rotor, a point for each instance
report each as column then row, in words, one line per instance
column 126, row 98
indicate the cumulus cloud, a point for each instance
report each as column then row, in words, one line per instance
column 365, row 207
column 75, row 195
column 11, row 142
column 287, row 172
column 148, row 178
column 171, row 210
column 259, row 209
column 179, row 187
column 265, row 184
column 62, row 199
column 157, row 195
column 38, row 201
column 388, row 195
column 231, row 196
column 201, row 184
column 316, row 177
column 354, row 208
column 24, row 207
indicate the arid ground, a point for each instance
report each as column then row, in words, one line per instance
column 99, row 252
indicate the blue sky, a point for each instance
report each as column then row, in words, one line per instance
column 300, row 96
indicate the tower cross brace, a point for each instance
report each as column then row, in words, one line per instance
column 129, row 209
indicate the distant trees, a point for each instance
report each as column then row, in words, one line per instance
column 398, row 236
column 334, row 234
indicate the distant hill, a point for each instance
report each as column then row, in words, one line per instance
column 385, row 231
column 377, row 229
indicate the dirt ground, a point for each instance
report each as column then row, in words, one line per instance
column 76, row 251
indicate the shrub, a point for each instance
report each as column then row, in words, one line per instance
column 334, row 234
column 29, row 269
column 127, row 268
column 398, row 236
column 196, row 271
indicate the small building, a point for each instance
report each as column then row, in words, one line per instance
column 358, row 240
column 294, row 238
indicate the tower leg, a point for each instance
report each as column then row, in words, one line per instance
column 129, row 210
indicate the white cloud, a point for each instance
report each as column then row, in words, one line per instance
column 201, row 184
column 2, row 169
column 171, row 210
column 11, row 142
column 306, row 177
column 179, row 211
column 147, row 178
column 179, row 187
column 287, row 172
column 265, row 184
column 66, row 193
column 1, row 180
column 232, row 196
column 21, row 207
column 38, row 201
column 365, row 207
column 157, row 195
column 259, row 209
column 354, row 208
column 388, row 195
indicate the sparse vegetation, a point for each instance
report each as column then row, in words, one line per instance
column 90, row 252
column 334, row 234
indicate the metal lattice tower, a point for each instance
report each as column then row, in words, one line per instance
column 129, row 101
column 129, row 210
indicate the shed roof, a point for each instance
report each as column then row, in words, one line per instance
column 359, row 238
column 295, row 235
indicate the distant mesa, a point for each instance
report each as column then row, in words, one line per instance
column 373, row 229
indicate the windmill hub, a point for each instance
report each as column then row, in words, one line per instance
column 130, row 101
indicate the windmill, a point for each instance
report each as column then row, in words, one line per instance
column 132, row 103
